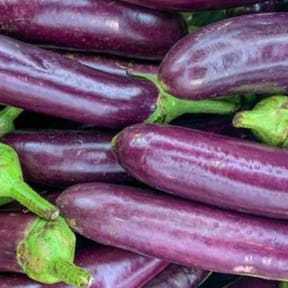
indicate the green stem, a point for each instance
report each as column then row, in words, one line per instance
column 13, row 186
column 73, row 275
column 30, row 199
column 283, row 285
column 169, row 107
column 7, row 118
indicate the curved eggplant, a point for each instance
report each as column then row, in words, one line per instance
column 45, row 82
column 239, row 56
column 207, row 167
column 180, row 231
column 188, row 5
column 110, row 268
column 105, row 26
column 66, row 157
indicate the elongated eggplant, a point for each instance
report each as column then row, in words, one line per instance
column 206, row 167
column 268, row 121
column 180, row 231
column 247, row 282
column 66, row 157
column 176, row 276
column 114, row 65
column 92, row 25
column 13, row 187
column 243, row 55
column 110, row 267
column 188, row 5
column 42, row 250
column 45, row 82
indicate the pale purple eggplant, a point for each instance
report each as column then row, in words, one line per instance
column 179, row 231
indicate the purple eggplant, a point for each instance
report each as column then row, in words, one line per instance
column 244, row 55
column 247, row 282
column 206, row 167
column 105, row 26
column 66, row 157
column 110, row 267
column 176, row 276
column 188, row 5
column 42, row 250
column 115, row 65
column 49, row 83
column 179, row 231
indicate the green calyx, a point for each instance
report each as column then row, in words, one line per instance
column 169, row 107
column 283, row 285
column 7, row 117
column 268, row 121
column 13, row 186
column 47, row 254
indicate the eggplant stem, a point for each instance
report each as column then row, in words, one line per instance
column 72, row 274
column 7, row 117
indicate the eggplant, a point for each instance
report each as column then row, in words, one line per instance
column 13, row 186
column 110, row 267
column 46, row 82
column 115, row 65
column 43, row 250
column 105, row 26
column 63, row 157
column 176, row 276
column 188, row 5
column 243, row 55
column 206, row 167
column 268, row 121
column 179, row 231
column 247, row 282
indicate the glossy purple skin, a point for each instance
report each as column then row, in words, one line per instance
column 247, row 282
column 207, row 167
column 115, row 65
column 176, row 276
column 243, row 55
column 106, row 26
column 180, row 231
column 110, row 267
column 45, row 82
column 13, row 230
column 184, row 5
column 62, row 157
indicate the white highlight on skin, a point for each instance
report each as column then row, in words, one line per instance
column 243, row 269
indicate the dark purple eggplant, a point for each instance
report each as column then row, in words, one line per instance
column 66, row 157
column 110, row 267
column 179, row 231
column 176, row 276
column 115, row 65
column 188, row 5
column 105, row 26
column 247, row 282
column 206, row 167
column 244, row 55
column 268, row 121
column 42, row 250
column 46, row 82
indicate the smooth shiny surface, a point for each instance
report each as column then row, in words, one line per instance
column 110, row 267
column 13, row 230
column 241, row 55
column 191, row 5
column 66, row 157
column 178, row 230
column 114, row 65
column 207, row 167
column 45, row 82
column 247, row 282
column 106, row 26
column 176, row 276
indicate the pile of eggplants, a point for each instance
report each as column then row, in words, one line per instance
column 143, row 143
